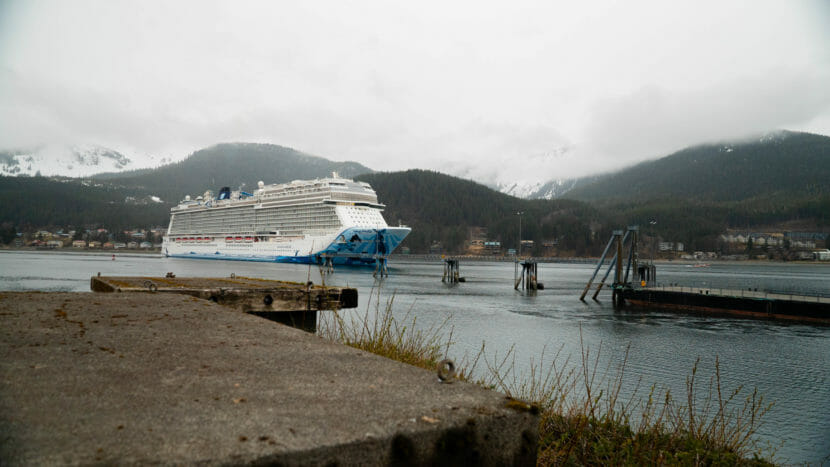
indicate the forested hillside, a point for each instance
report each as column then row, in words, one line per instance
column 441, row 208
column 30, row 203
column 783, row 165
column 231, row 164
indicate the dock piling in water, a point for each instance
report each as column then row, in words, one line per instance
column 452, row 271
column 529, row 277
column 381, row 268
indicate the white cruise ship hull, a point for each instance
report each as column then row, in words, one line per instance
column 354, row 246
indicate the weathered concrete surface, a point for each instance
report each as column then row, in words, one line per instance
column 245, row 293
column 165, row 378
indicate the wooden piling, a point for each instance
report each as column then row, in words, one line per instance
column 529, row 279
column 328, row 264
column 381, row 268
column 452, row 271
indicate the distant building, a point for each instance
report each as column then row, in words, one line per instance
column 671, row 246
column 821, row 255
column 95, row 244
column 492, row 248
column 79, row 244
column 146, row 245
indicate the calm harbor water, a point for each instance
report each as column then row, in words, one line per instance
column 789, row 363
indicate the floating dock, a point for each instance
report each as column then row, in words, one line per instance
column 172, row 379
column 747, row 303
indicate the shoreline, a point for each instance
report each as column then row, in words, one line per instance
column 416, row 258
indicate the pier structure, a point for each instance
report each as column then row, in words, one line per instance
column 528, row 279
column 328, row 264
column 292, row 303
column 745, row 303
column 452, row 271
column 644, row 291
column 617, row 242
column 381, row 267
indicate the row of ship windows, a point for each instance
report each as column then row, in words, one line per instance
column 320, row 217
column 326, row 212
column 243, row 226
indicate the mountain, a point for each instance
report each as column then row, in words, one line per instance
column 692, row 196
column 68, row 161
column 780, row 165
column 444, row 209
column 237, row 165
column 144, row 197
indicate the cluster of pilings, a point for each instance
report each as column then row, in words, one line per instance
column 529, row 278
column 328, row 264
column 381, row 267
column 646, row 273
column 452, row 273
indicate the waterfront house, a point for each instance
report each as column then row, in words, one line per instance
column 79, row 244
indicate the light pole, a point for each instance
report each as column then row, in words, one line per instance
column 653, row 222
column 519, row 250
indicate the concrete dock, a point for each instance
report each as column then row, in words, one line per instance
column 125, row 378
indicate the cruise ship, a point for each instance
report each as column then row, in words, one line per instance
column 332, row 219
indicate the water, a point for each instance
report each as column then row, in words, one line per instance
column 789, row 363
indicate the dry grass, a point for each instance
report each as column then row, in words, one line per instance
column 585, row 419
column 378, row 331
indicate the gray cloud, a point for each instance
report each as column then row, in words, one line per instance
column 654, row 121
column 535, row 91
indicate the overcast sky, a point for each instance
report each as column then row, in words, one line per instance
column 495, row 91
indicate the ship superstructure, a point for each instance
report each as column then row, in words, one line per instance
column 304, row 221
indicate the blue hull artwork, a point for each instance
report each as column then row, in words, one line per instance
column 353, row 246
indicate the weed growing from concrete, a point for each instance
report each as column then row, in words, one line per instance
column 379, row 332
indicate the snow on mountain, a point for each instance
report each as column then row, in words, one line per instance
column 519, row 189
column 539, row 190
column 68, row 161
column 524, row 176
